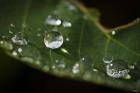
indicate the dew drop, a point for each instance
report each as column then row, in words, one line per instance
column 117, row 69
column 53, row 21
column 12, row 25
column 113, row 32
column 14, row 53
column 20, row 50
column 67, row 24
column 53, row 40
column 76, row 68
column 18, row 39
column 64, row 50
column 107, row 59
column 46, row 68
column 6, row 45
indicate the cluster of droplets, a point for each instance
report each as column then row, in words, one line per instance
column 117, row 68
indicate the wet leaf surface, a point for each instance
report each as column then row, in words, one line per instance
column 65, row 39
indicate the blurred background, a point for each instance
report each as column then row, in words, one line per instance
column 16, row 77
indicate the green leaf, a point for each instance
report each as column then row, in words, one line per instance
column 86, row 49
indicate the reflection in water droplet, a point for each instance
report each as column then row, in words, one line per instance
column 76, row 68
column 107, row 59
column 53, row 40
column 67, row 24
column 18, row 39
column 113, row 32
column 117, row 69
column 6, row 45
column 53, row 21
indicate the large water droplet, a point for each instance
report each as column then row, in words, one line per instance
column 107, row 59
column 53, row 21
column 18, row 39
column 53, row 40
column 76, row 68
column 117, row 69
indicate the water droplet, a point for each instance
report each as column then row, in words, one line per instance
column 113, row 32
column 67, row 39
column 107, row 59
column 76, row 68
column 12, row 25
column 60, row 64
column 6, row 45
column 95, row 70
column 46, row 68
column 10, row 32
column 3, row 37
column 20, row 50
column 127, row 77
column 64, row 51
column 53, row 40
column 117, row 69
column 38, row 35
column 53, row 21
column 131, row 66
column 14, row 53
column 67, row 24
column 18, row 39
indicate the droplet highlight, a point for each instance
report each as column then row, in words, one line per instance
column 53, row 40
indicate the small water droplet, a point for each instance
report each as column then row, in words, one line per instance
column 64, row 51
column 20, row 50
column 53, row 40
column 107, row 59
column 131, row 66
column 113, row 32
column 53, row 21
column 95, row 70
column 117, row 69
column 67, row 24
column 46, row 68
column 76, row 68
column 6, row 45
column 14, row 53
column 10, row 32
column 127, row 77
column 60, row 64
column 67, row 39
column 70, row 6
column 38, row 35
column 18, row 39
column 12, row 25
column 3, row 37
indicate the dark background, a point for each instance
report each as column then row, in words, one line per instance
column 16, row 77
